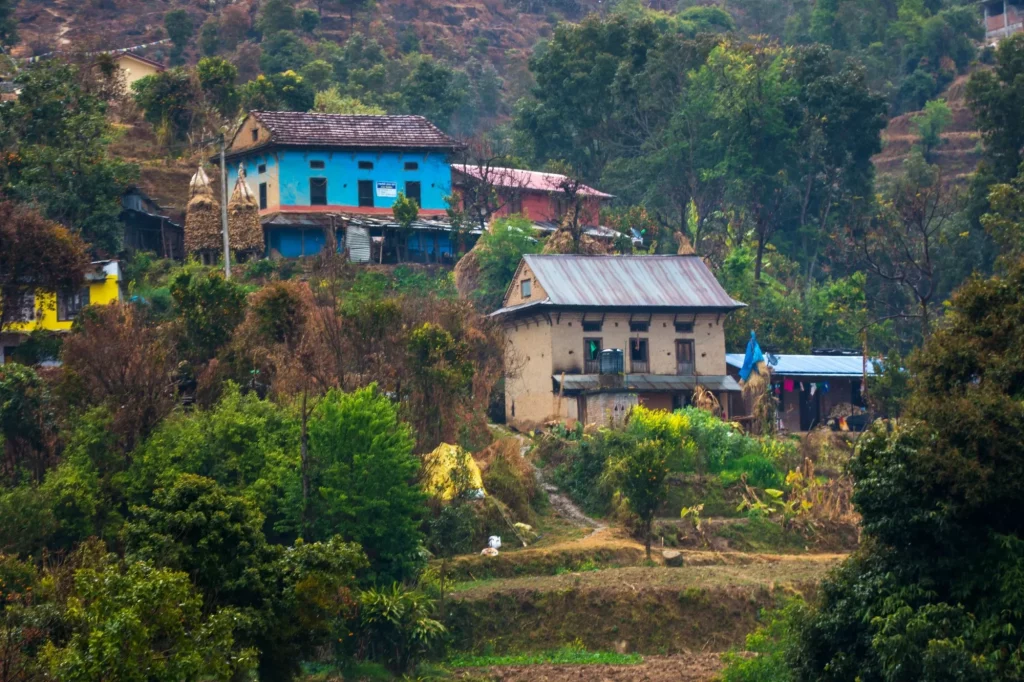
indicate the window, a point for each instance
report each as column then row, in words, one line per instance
column 318, row 191
column 684, row 357
column 684, row 327
column 591, row 326
column 316, row 165
column 592, row 356
column 70, row 303
column 366, row 165
column 260, row 169
column 263, row 195
column 412, row 191
column 515, row 203
column 411, row 165
column 638, row 326
column 26, row 308
column 638, row 356
column 366, row 193
column 255, row 135
column 526, row 288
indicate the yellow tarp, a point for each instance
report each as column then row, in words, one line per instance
column 439, row 465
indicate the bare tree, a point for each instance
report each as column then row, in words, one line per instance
column 902, row 241
column 486, row 184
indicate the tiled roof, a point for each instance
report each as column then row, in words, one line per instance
column 524, row 179
column 630, row 282
column 343, row 130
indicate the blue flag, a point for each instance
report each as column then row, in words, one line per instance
column 753, row 356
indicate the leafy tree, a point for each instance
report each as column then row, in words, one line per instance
column 406, row 211
column 209, row 307
column 319, row 73
column 364, row 474
column 440, row 379
column 283, row 51
column 930, row 124
column 217, row 81
column 396, row 626
column 56, row 135
column 168, row 99
column 179, row 28
column 331, row 102
column 938, row 494
column 294, row 92
column 641, row 476
column 432, row 90
column 234, row 25
column 26, row 422
column 209, row 37
column 35, row 254
column 276, row 15
column 498, row 253
column 309, row 20
column 8, row 23
column 137, row 622
column 995, row 97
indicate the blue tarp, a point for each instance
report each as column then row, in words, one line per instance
column 752, row 357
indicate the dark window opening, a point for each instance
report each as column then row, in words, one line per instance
column 526, row 288
column 255, row 135
column 638, row 326
column 638, row 356
column 318, row 191
column 70, row 303
column 317, row 165
column 366, row 165
column 592, row 356
column 591, row 326
column 411, row 165
column 262, row 168
column 263, row 195
column 515, row 203
column 684, row 327
column 366, row 193
column 412, row 191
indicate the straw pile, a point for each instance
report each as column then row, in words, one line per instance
column 685, row 248
column 561, row 242
column 467, row 272
column 202, row 219
column 244, row 226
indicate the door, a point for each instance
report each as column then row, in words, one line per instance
column 366, row 193
column 684, row 357
column 412, row 191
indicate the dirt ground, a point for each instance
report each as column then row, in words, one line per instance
column 678, row 668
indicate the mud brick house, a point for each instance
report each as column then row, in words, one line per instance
column 311, row 172
column 588, row 337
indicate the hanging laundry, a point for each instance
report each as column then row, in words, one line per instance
column 787, row 385
column 814, row 387
column 824, row 387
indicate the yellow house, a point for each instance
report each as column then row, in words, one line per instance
column 50, row 311
column 589, row 337
column 136, row 67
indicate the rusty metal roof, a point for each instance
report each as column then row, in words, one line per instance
column 344, row 130
column 630, row 282
column 644, row 383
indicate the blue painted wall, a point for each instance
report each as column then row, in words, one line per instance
column 288, row 173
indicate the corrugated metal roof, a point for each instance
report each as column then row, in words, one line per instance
column 811, row 365
column 596, row 231
column 518, row 178
column 344, row 130
column 630, row 281
column 318, row 219
column 646, row 383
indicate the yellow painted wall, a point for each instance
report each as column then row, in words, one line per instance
column 134, row 69
column 101, row 292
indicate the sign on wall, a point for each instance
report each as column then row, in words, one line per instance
column 387, row 189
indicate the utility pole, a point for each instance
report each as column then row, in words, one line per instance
column 224, row 210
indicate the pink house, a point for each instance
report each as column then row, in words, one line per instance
column 539, row 197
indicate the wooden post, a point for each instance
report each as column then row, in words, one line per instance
column 224, row 210
column 163, row 239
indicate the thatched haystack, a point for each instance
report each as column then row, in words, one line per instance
column 467, row 272
column 685, row 247
column 202, row 219
column 244, row 226
column 561, row 241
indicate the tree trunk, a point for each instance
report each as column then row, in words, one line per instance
column 444, row 565
column 925, row 321
column 759, row 258
column 647, row 539
column 304, row 460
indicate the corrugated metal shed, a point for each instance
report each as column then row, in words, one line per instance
column 645, row 383
column 347, row 131
column 811, row 365
column 630, row 281
column 357, row 241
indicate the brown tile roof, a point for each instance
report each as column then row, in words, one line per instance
column 344, row 130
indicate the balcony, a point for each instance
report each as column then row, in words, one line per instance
column 592, row 366
column 685, row 369
column 639, row 367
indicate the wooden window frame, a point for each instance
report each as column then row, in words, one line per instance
column 369, row 200
column 314, row 182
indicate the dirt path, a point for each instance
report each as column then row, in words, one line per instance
column 678, row 668
column 560, row 502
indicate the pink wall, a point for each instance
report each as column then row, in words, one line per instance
column 539, row 206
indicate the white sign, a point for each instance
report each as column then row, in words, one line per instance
column 387, row 189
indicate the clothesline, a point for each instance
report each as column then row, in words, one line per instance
column 29, row 60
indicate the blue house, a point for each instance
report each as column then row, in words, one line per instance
column 315, row 172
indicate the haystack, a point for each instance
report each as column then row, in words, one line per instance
column 202, row 220
column 684, row 246
column 449, row 468
column 244, row 226
column 561, row 241
column 467, row 272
